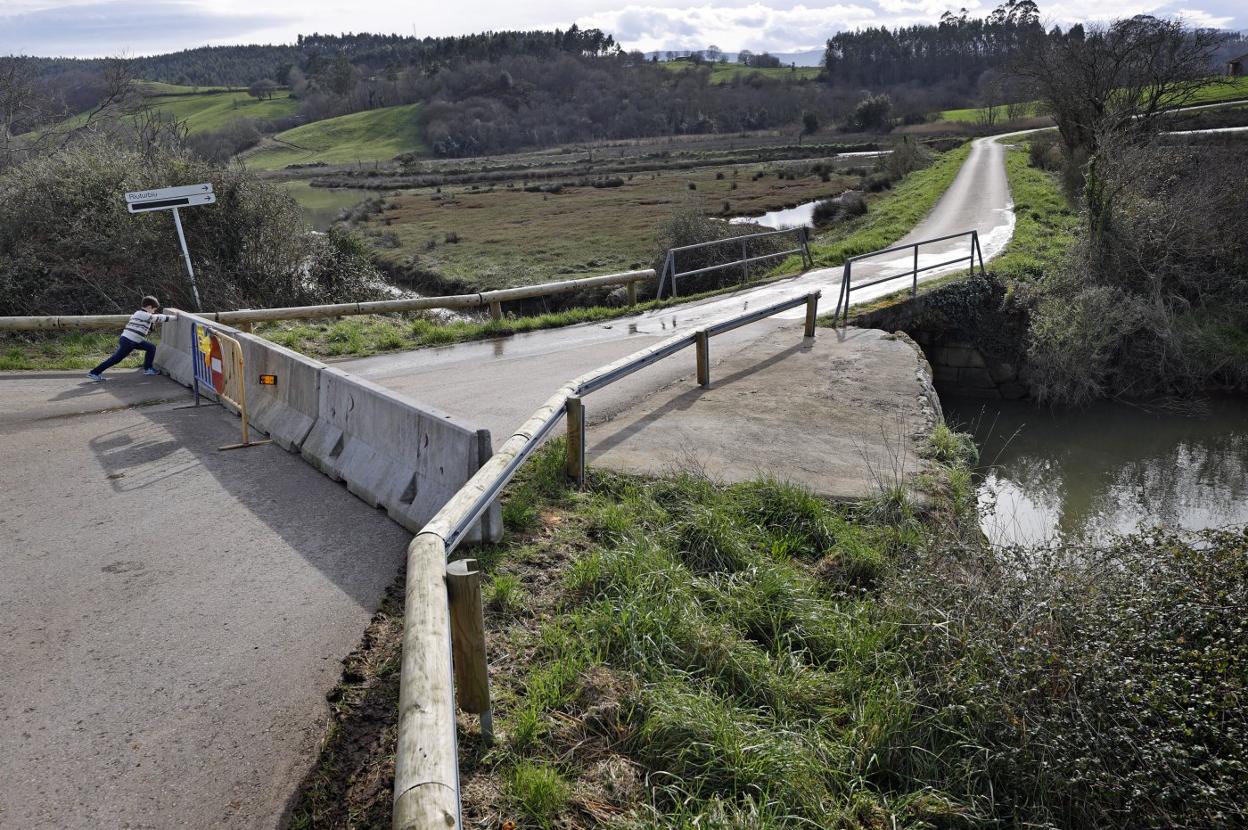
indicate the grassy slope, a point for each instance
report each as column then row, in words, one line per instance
column 212, row 111
column 63, row 350
column 718, row 638
column 1236, row 89
column 372, row 135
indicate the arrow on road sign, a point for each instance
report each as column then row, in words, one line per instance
column 172, row 202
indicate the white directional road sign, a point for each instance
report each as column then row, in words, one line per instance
column 172, row 202
column 172, row 198
column 168, row 193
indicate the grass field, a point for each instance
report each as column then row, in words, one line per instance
column 472, row 234
column 1237, row 88
column 211, row 111
column 372, row 135
column 722, row 73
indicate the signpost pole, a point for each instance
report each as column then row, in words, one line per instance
column 186, row 255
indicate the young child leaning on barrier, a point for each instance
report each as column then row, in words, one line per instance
column 134, row 336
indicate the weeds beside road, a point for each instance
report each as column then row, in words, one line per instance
column 670, row 653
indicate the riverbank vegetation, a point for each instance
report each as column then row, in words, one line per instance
column 673, row 653
column 1151, row 301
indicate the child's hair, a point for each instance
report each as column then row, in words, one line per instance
column 150, row 300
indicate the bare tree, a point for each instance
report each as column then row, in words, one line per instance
column 17, row 103
column 991, row 94
column 1118, row 78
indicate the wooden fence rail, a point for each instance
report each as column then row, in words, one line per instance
column 245, row 317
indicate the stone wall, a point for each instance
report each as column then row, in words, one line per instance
column 972, row 332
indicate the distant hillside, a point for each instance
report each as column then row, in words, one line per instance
column 722, row 73
column 373, row 135
column 810, row 57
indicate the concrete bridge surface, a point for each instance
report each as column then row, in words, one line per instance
column 171, row 616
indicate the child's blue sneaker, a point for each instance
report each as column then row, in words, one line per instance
column 151, row 371
column 96, row 378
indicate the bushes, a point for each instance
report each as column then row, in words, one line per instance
column 68, row 245
column 846, row 206
column 1085, row 687
column 1147, row 303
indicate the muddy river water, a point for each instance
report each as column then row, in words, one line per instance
column 1112, row 468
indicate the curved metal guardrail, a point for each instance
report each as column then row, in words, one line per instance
column 426, row 778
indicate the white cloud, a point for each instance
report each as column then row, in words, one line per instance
column 756, row 26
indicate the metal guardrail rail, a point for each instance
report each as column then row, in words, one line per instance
column 669, row 273
column 243, row 318
column 426, row 779
column 847, row 285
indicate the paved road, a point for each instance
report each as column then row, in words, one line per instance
column 497, row 384
column 171, row 616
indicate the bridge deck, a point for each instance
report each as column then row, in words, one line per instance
column 839, row 415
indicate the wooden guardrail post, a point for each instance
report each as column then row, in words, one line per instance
column 632, row 293
column 812, row 311
column 576, row 441
column 472, row 676
column 703, row 342
column 496, row 311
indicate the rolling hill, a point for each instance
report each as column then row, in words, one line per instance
column 208, row 108
column 372, row 135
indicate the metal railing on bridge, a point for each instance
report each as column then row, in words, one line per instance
column 443, row 626
column 842, row 301
column 669, row 273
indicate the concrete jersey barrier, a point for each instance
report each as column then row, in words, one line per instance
column 288, row 408
column 392, row 452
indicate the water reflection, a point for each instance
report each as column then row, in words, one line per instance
column 1080, row 476
column 794, row 217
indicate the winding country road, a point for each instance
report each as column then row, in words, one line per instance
column 497, row 383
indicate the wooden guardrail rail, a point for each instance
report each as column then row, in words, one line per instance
column 243, row 318
column 442, row 608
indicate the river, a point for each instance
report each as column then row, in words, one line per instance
column 1082, row 475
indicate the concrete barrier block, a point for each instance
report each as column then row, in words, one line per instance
column 173, row 352
column 286, row 410
column 390, row 451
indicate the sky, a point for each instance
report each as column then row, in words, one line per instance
column 97, row 28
